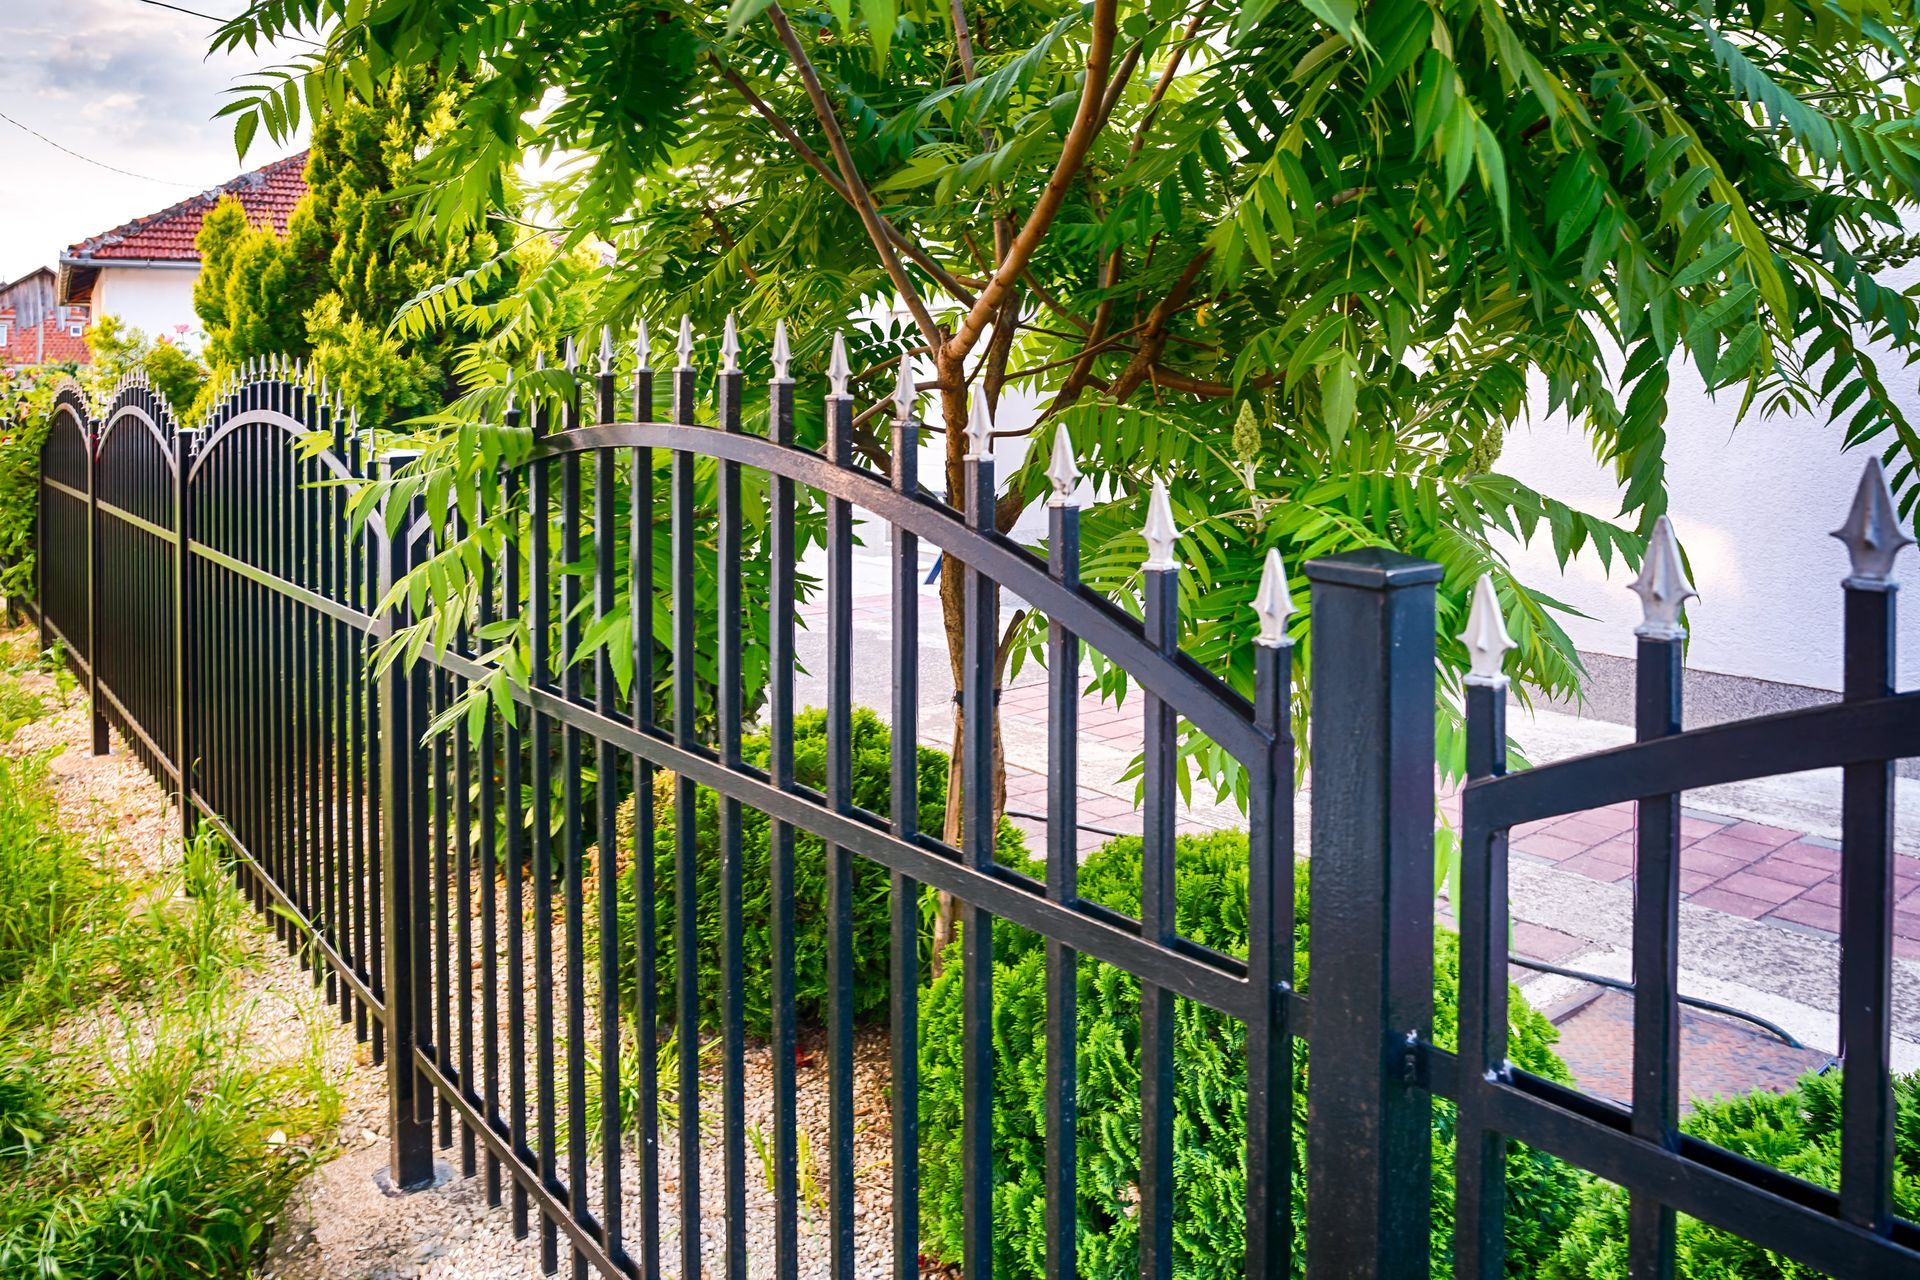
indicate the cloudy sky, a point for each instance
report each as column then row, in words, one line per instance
column 122, row 82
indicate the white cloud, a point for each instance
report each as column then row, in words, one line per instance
column 128, row 84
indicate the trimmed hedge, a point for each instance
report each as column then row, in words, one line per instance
column 1210, row 1102
column 872, row 886
column 1797, row 1132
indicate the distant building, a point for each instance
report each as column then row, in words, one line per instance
column 142, row 272
column 33, row 329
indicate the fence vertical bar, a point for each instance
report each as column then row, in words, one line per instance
column 1161, row 618
column 1063, row 875
column 980, row 618
column 1270, row 940
column 607, row 796
column 904, row 996
column 782, row 555
column 1663, row 589
column 685, row 833
column 512, row 776
column 727, row 717
column 1369, row 1121
column 402, row 713
column 540, row 623
column 1479, row 1240
column 1874, row 538
column 573, row 820
column 641, row 594
column 839, row 793
column 97, row 715
column 186, row 446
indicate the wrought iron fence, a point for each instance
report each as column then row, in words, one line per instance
column 461, row 894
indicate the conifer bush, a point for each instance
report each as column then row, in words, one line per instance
column 1797, row 1132
column 872, row 887
column 1210, row 1099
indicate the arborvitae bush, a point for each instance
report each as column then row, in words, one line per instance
column 1210, row 1095
column 872, row 886
column 1797, row 1132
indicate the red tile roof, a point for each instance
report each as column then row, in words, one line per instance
column 267, row 193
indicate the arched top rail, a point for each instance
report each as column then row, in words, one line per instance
column 1195, row 693
column 286, row 423
column 134, row 413
column 1822, row 737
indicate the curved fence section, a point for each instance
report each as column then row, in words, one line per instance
column 134, row 545
column 65, row 547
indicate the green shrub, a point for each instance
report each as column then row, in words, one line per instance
column 1797, row 1132
column 872, row 886
column 1210, row 1101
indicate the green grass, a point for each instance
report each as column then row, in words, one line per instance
column 142, row 1136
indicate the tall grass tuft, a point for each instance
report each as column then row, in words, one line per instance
column 144, row 1134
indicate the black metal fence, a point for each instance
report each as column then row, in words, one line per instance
column 484, row 905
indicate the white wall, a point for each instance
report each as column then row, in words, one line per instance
column 156, row 300
column 1753, row 505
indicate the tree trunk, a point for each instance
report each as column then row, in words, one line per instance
column 953, row 413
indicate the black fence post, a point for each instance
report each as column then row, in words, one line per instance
column 186, row 446
column 97, row 714
column 403, row 846
column 1369, row 1161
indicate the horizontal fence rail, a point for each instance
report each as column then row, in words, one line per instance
column 598, row 918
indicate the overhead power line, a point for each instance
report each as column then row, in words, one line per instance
column 211, row 17
column 111, row 168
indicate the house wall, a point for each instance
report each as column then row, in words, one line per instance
column 155, row 300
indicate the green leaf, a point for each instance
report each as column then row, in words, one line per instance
column 1339, row 388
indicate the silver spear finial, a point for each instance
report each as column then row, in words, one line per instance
column 782, row 353
column 1486, row 636
column 730, row 347
column 1662, row 586
column 1160, row 529
column 686, row 342
column 904, row 392
column 1273, row 603
column 980, row 429
column 1872, row 533
column 837, row 371
column 1061, row 470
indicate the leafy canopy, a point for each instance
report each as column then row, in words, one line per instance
column 1312, row 262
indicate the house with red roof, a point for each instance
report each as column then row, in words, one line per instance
column 34, row 329
column 142, row 272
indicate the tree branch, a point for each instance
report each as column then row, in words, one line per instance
column 963, row 39
column 791, row 136
column 1073, row 152
column 856, row 189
